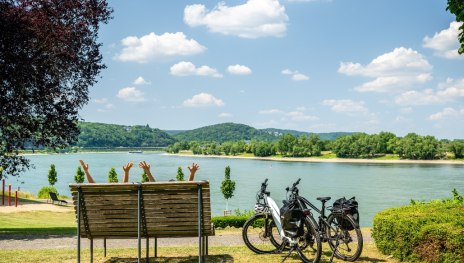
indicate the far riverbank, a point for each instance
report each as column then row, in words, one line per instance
column 326, row 160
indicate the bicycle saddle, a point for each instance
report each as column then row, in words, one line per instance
column 323, row 199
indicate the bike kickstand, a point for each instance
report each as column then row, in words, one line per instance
column 289, row 252
column 333, row 253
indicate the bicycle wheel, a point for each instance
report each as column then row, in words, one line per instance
column 258, row 234
column 309, row 244
column 344, row 237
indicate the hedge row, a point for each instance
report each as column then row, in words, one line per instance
column 424, row 232
column 229, row 221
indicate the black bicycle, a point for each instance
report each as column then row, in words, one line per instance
column 264, row 233
column 340, row 229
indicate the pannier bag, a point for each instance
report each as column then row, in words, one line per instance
column 349, row 206
column 292, row 219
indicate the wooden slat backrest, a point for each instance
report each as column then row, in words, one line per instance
column 170, row 209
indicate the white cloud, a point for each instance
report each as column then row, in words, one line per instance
column 447, row 113
column 203, row 99
column 297, row 76
column 152, row 46
column 101, row 101
column 239, row 69
column 397, row 69
column 131, row 94
column 270, row 111
column 445, row 43
column 141, row 81
column 346, row 106
column 107, row 106
column 301, row 116
column 253, row 19
column 185, row 68
column 225, row 115
column 447, row 91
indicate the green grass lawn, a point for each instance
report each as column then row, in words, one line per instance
column 172, row 254
column 38, row 223
column 46, row 223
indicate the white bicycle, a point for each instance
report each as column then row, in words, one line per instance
column 263, row 232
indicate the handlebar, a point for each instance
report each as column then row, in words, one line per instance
column 294, row 189
column 263, row 188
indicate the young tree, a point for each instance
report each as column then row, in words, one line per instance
column 49, row 57
column 112, row 176
column 227, row 187
column 79, row 177
column 52, row 175
column 144, row 177
column 180, row 174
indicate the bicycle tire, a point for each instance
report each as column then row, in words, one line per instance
column 341, row 240
column 310, row 246
column 259, row 238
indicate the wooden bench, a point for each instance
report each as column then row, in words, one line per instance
column 148, row 210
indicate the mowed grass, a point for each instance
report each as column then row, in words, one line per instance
column 173, row 255
column 46, row 223
column 38, row 223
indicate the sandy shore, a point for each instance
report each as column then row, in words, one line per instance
column 29, row 206
column 331, row 160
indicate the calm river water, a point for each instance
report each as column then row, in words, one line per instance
column 376, row 186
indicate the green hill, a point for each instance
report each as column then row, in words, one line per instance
column 113, row 135
column 224, row 132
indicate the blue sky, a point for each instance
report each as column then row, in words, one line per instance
column 315, row 65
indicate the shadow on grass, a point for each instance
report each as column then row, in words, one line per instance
column 35, row 233
column 328, row 254
column 189, row 259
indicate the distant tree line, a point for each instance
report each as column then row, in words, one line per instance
column 357, row 145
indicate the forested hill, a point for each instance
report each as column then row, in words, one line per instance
column 225, row 132
column 113, row 135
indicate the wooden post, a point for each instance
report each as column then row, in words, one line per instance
column 3, row 192
column 16, row 198
column 9, row 195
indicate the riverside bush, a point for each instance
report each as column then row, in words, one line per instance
column 229, row 221
column 43, row 192
column 422, row 232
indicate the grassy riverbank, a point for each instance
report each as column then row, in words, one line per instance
column 329, row 157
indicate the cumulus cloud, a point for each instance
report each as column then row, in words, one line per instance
column 399, row 68
column 141, row 81
column 239, row 69
column 301, row 116
column 152, row 46
column 107, row 106
column 131, row 94
column 297, row 76
column 270, row 111
column 185, row 68
column 203, row 99
column 445, row 43
column 447, row 112
column 253, row 19
column 446, row 92
column 225, row 115
column 345, row 106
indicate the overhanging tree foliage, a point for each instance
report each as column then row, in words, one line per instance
column 49, row 56
column 456, row 7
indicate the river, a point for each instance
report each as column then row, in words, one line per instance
column 376, row 186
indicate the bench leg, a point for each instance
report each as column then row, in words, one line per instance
column 156, row 247
column 91, row 250
column 148, row 254
column 104, row 247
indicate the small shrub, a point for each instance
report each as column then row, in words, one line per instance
column 79, row 177
column 52, row 175
column 112, row 176
column 43, row 192
column 422, row 232
column 229, row 221
column 180, row 174
column 144, row 177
